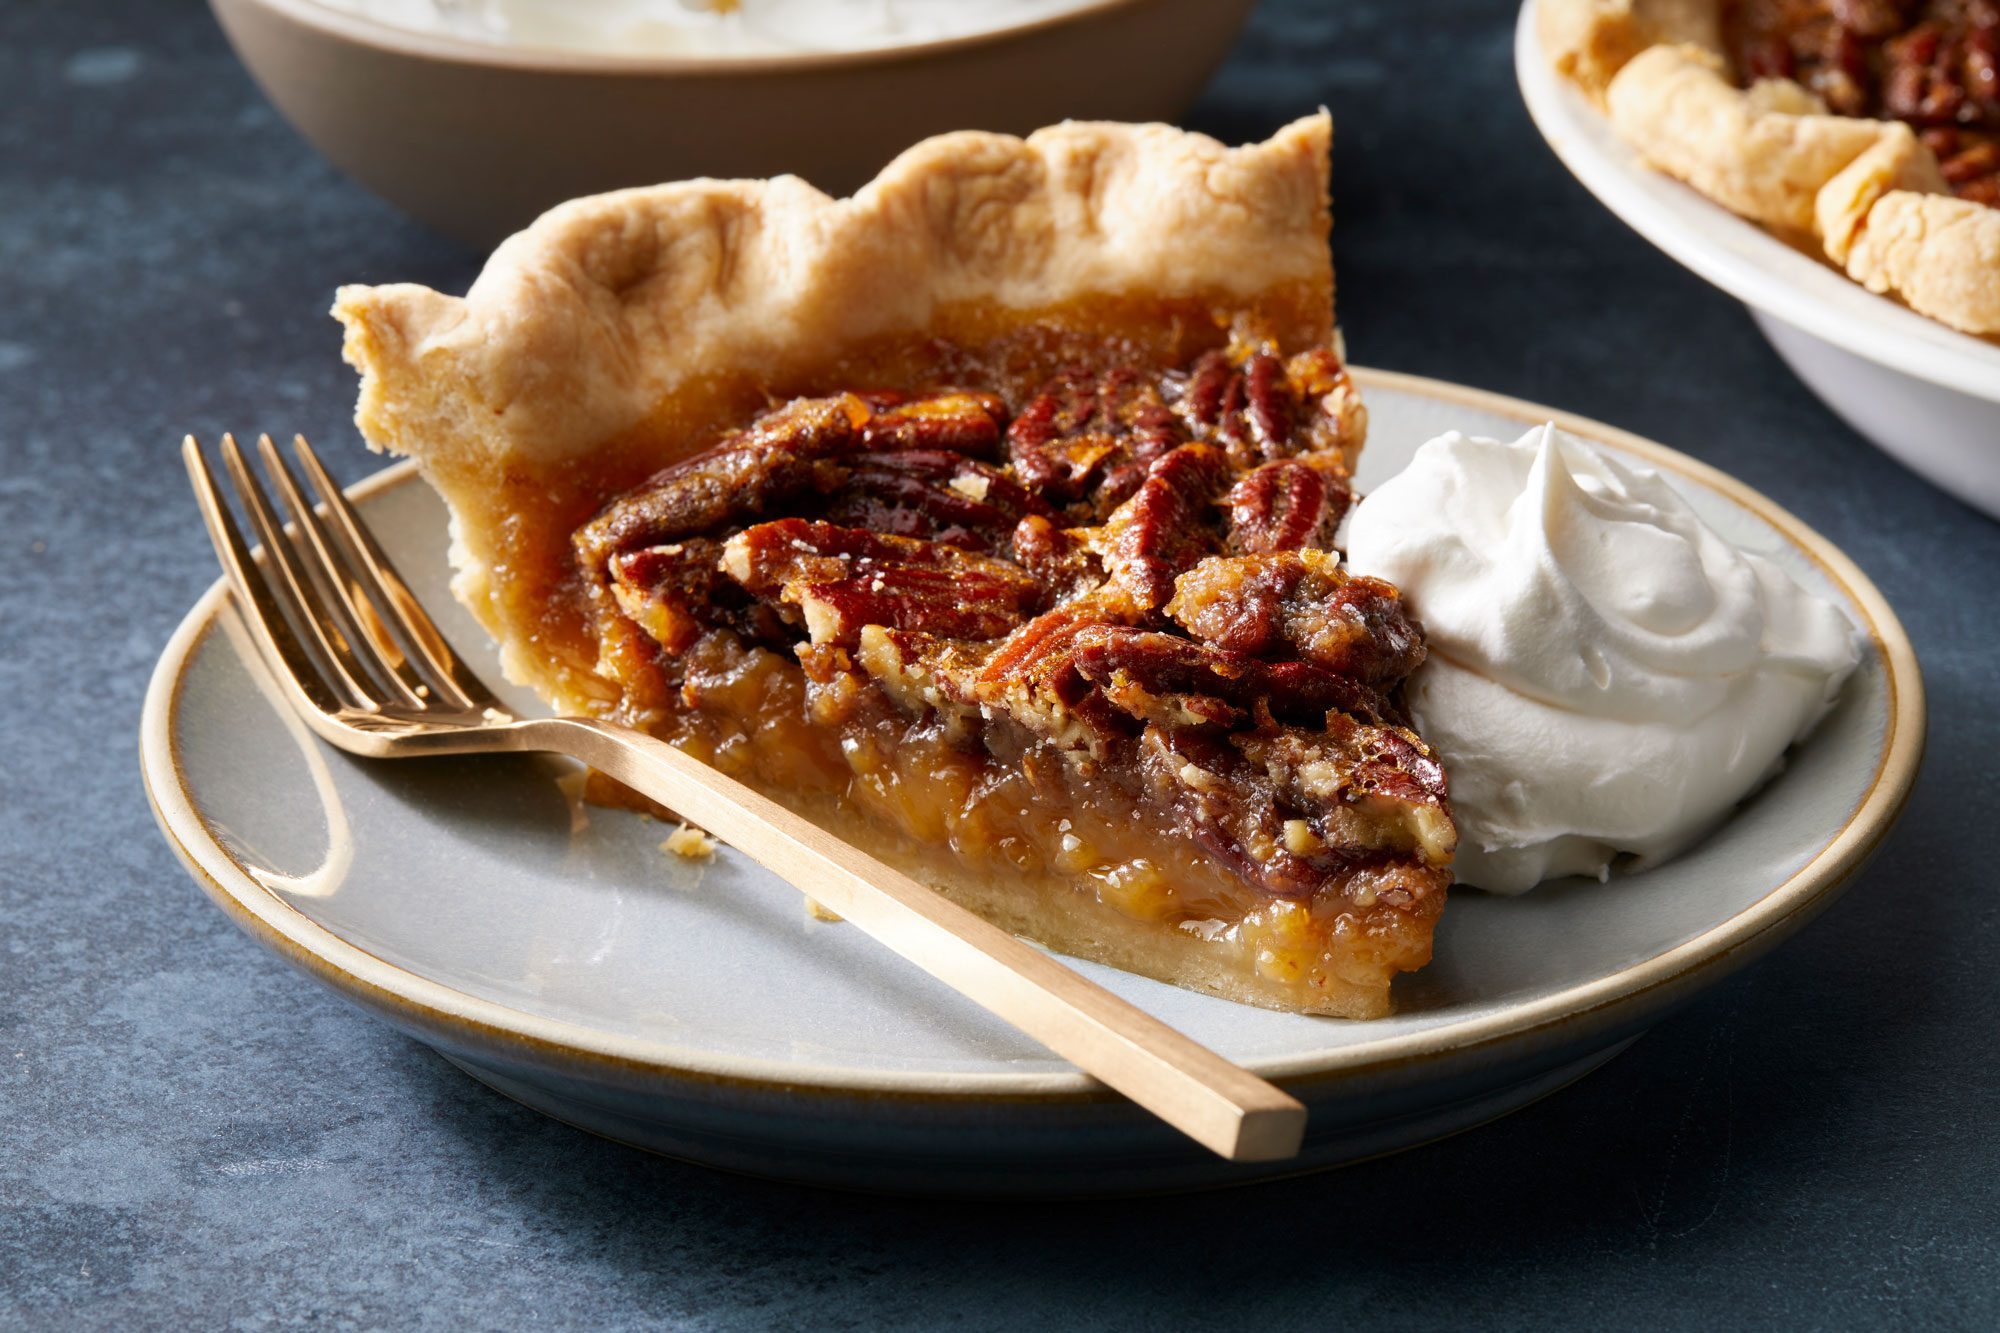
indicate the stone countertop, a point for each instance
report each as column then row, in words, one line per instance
column 193, row 1135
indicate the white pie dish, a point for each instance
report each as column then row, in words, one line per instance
column 698, row 1012
column 1924, row 393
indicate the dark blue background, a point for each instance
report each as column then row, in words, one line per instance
column 191, row 1134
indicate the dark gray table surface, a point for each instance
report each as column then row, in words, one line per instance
column 193, row 1135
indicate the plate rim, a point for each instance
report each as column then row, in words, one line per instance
column 1736, row 255
column 478, row 1024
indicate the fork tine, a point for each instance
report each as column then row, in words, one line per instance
column 398, row 608
column 288, row 658
column 289, row 586
column 326, row 571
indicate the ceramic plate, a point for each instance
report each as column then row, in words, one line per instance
column 557, row 954
column 1926, row 394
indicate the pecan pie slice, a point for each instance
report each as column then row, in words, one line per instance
column 1869, row 129
column 985, row 517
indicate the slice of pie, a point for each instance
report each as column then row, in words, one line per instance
column 1868, row 129
column 986, row 517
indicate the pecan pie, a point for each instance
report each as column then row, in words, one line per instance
column 1867, row 129
column 985, row 517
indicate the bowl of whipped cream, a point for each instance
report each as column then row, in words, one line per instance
column 476, row 115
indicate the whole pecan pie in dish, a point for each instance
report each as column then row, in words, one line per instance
column 1868, row 130
column 986, row 517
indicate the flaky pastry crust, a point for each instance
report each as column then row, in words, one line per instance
column 1866, row 192
column 1845, row 205
column 622, row 332
column 1937, row 252
column 1591, row 40
column 1763, row 152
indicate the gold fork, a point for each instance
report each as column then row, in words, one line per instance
column 367, row 670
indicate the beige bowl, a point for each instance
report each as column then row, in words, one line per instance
column 476, row 140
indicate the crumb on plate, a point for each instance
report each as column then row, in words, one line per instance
column 690, row 842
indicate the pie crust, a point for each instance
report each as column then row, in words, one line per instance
column 1866, row 193
column 1591, row 40
column 647, row 343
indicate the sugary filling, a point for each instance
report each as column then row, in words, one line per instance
column 1934, row 64
column 1049, row 831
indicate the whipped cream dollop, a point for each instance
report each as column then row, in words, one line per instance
column 720, row 29
column 1607, row 674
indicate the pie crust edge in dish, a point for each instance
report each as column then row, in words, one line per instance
column 1867, row 194
column 633, row 330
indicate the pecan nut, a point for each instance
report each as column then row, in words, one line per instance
column 840, row 579
column 1300, row 603
column 1285, row 505
column 1167, row 525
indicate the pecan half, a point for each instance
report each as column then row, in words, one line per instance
column 1285, row 505
column 1167, row 525
column 1165, row 664
column 781, row 456
column 936, row 495
column 1090, row 436
column 839, row 579
column 1300, row 603
column 1265, row 408
column 955, row 420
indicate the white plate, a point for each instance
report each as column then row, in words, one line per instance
column 1926, row 394
column 700, row 1013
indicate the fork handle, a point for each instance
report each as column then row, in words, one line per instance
column 1216, row 1103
